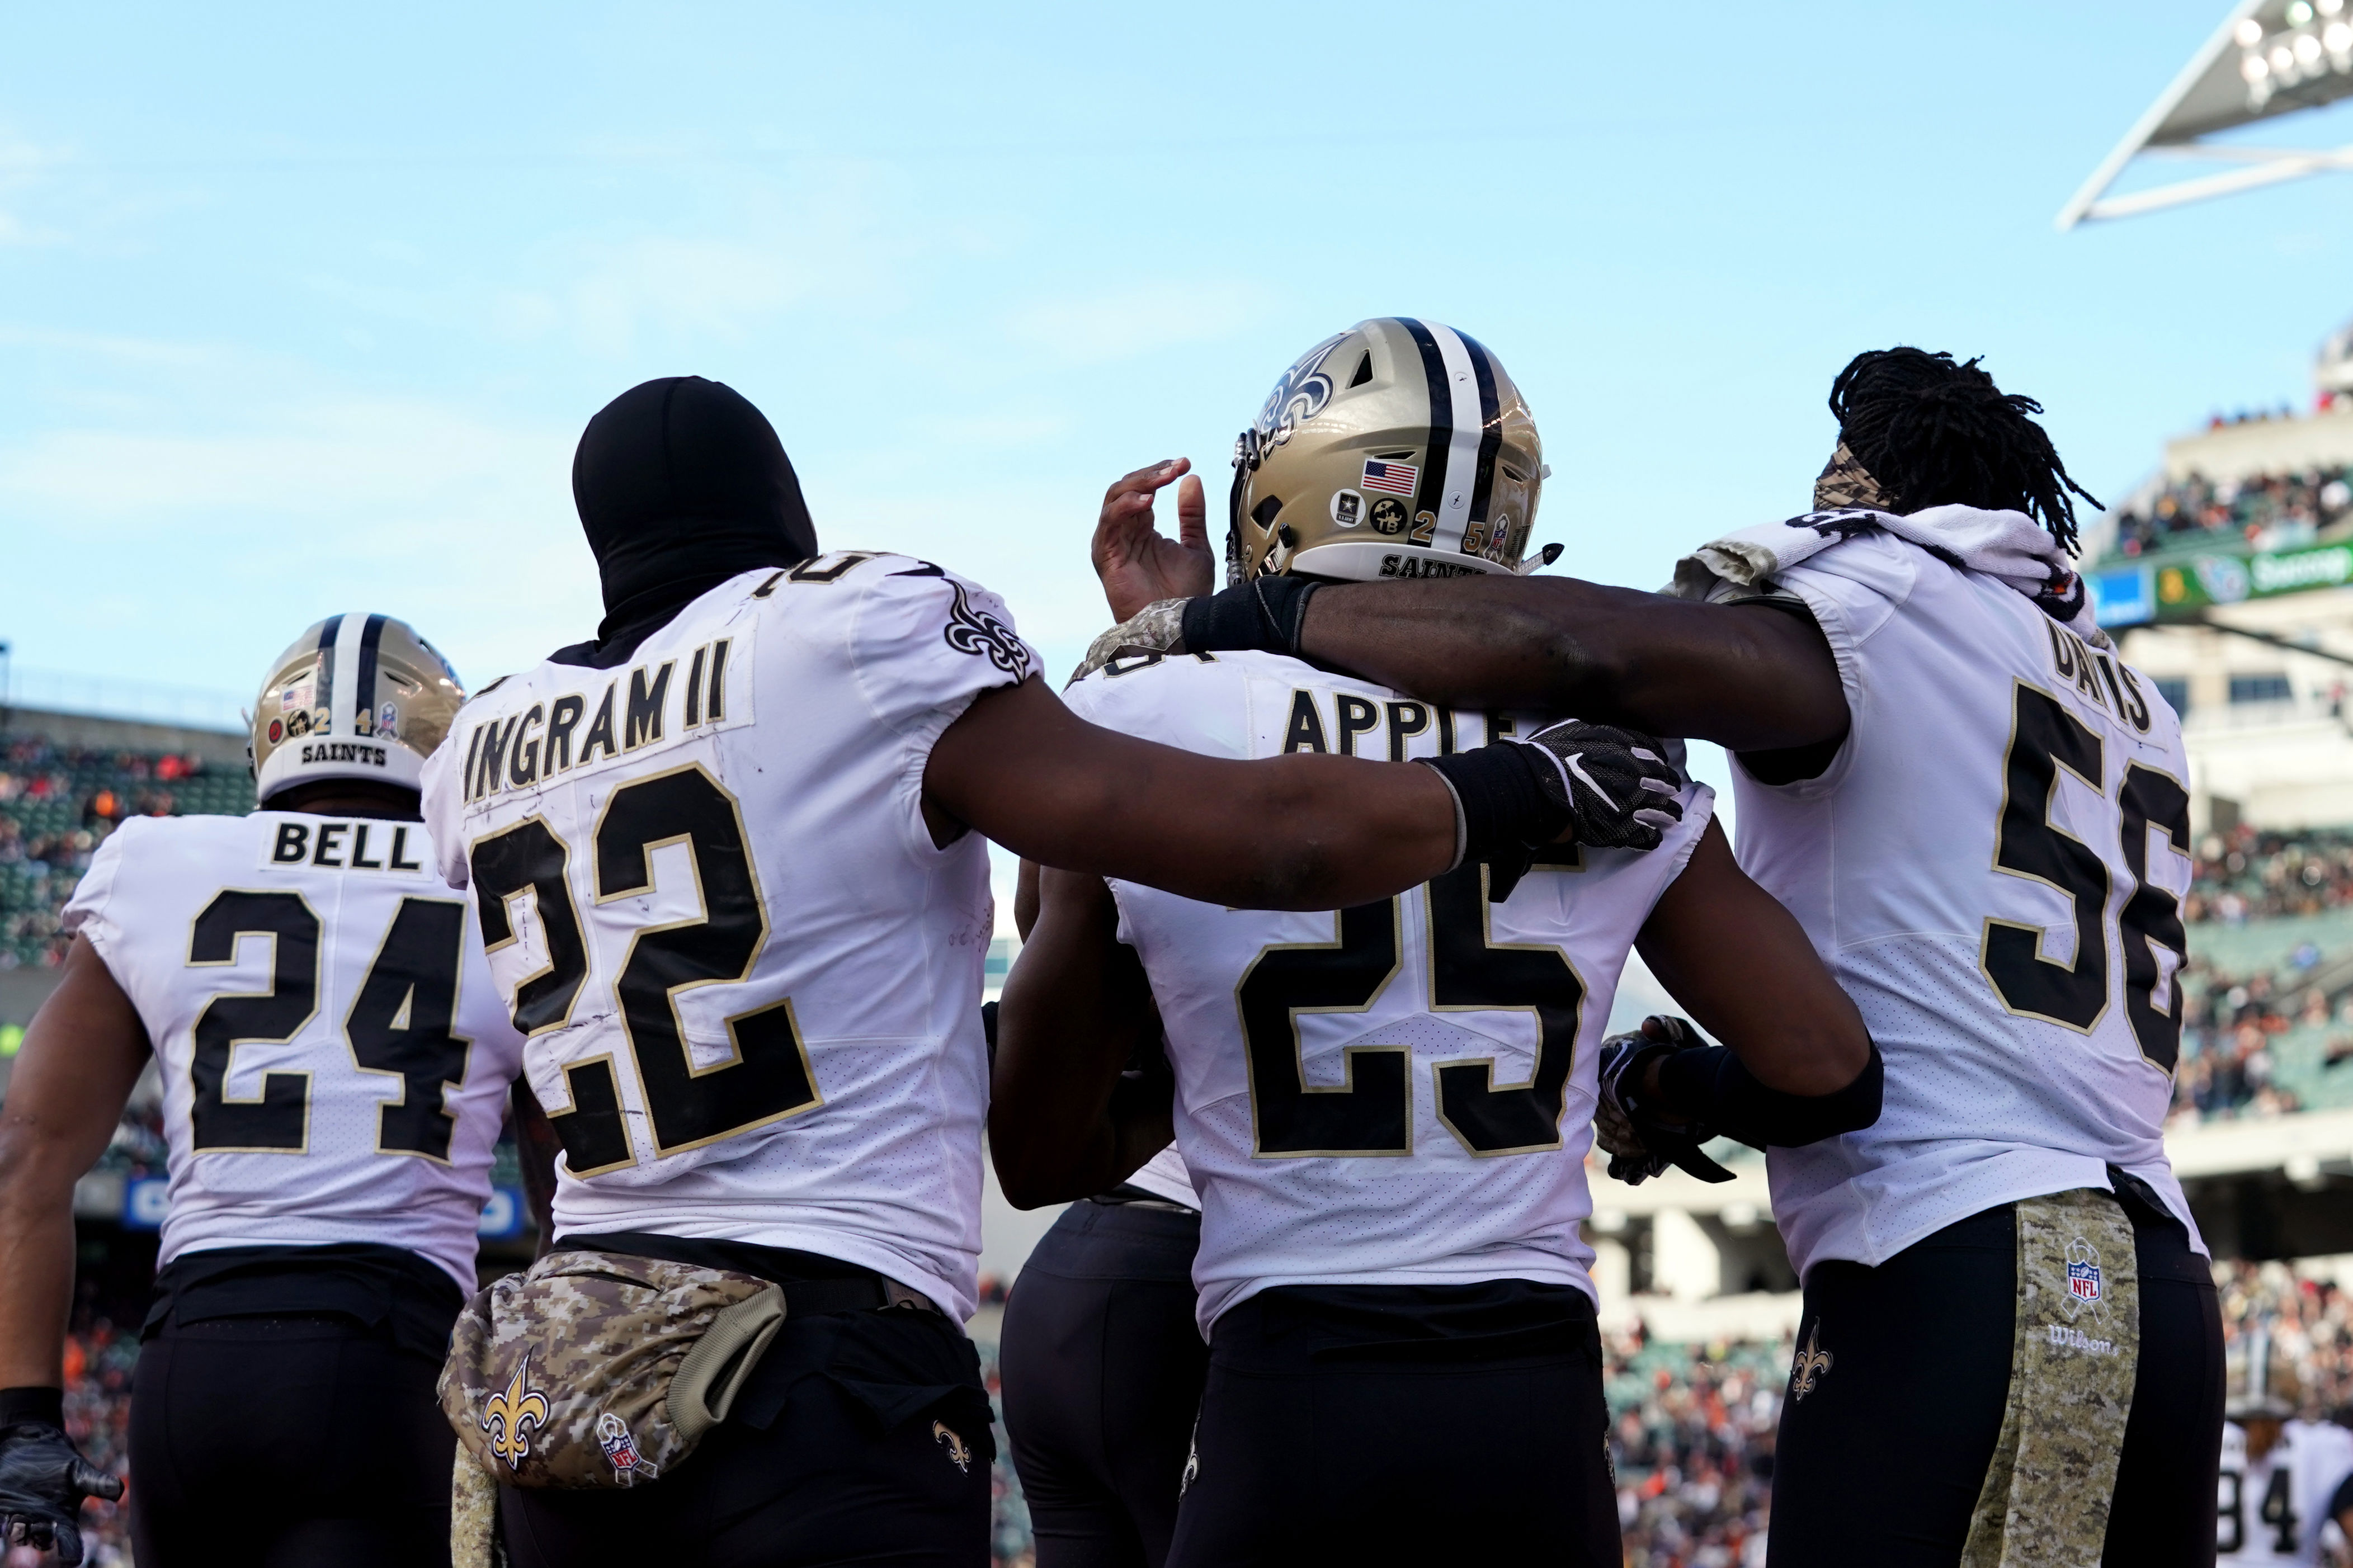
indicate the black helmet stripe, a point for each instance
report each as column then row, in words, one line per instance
column 322, row 681
column 1429, row 492
column 1490, row 427
column 369, row 639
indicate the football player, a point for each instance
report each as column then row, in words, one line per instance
column 1098, row 1358
column 1981, row 816
column 2280, row 1473
column 1386, row 1107
column 725, row 855
column 335, row 1066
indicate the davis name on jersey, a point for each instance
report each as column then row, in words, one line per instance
column 1397, row 1093
column 1992, row 868
column 2274, row 1509
column 749, row 979
column 335, row 1057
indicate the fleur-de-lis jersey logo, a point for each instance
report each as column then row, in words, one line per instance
column 509, row 1415
column 1813, row 1363
column 942, row 1434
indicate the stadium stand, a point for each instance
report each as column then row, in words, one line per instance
column 2270, row 511
column 2268, row 1013
column 59, row 803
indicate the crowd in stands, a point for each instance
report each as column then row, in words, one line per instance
column 2276, row 511
column 2310, row 1316
column 59, row 804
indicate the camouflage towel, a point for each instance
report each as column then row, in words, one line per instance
column 1155, row 628
column 1845, row 482
column 594, row 1369
column 2045, row 1499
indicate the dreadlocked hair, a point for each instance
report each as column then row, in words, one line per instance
column 1934, row 433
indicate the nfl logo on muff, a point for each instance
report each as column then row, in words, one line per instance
column 2084, row 1281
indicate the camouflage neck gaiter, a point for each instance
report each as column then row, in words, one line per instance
column 1845, row 482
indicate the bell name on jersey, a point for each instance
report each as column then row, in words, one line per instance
column 334, row 1056
column 1400, row 1093
column 749, row 980
column 1992, row 865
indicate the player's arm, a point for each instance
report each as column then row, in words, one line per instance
column 1063, row 1121
column 81, row 1057
column 1303, row 831
column 1751, row 677
column 1797, row 1064
column 1742, row 967
column 536, row 1147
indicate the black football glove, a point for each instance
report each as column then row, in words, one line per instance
column 43, row 1482
column 1638, row 1140
column 1618, row 788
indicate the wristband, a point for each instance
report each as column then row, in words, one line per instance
column 1504, row 807
column 1710, row 1084
column 36, row 1403
column 1263, row 614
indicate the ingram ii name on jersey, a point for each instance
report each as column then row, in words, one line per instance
column 335, row 1057
column 1397, row 1093
column 749, row 981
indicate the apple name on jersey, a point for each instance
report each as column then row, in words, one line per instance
column 1397, row 1093
column 749, row 980
column 335, row 1057
column 2274, row 1509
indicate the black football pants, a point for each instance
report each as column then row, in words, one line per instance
column 294, row 1442
column 1367, row 1426
column 1102, row 1369
column 1882, row 1459
column 863, row 1437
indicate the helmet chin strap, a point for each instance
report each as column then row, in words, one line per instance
column 1542, row 558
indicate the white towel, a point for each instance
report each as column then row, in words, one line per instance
column 2007, row 545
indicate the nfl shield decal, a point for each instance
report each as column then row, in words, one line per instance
column 2083, row 1281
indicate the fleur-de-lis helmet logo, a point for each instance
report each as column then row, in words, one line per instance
column 943, row 1434
column 1812, row 1362
column 510, row 1414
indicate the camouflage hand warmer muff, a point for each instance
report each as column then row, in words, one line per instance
column 594, row 1368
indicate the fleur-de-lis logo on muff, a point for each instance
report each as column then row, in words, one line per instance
column 509, row 1415
column 1812, row 1365
column 944, row 1434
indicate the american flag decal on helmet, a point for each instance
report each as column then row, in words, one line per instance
column 1396, row 478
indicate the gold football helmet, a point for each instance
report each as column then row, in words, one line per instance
column 356, row 697
column 1399, row 448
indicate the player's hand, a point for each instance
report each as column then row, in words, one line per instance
column 1138, row 564
column 1641, row 1139
column 44, row 1480
column 1618, row 788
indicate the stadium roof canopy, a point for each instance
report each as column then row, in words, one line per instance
column 2269, row 57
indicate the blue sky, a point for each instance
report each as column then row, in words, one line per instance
column 302, row 308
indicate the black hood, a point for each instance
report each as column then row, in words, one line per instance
column 680, row 484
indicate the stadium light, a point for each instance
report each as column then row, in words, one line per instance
column 2269, row 57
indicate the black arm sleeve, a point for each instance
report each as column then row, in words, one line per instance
column 1711, row 1087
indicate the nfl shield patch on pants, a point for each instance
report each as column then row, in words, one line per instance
column 2045, row 1501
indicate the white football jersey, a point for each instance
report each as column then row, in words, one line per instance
column 1400, row 1093
column 335, row 1057
column 1991, row 867
column 1165, row 1176
column 750, row 982
column 2272, row 1510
